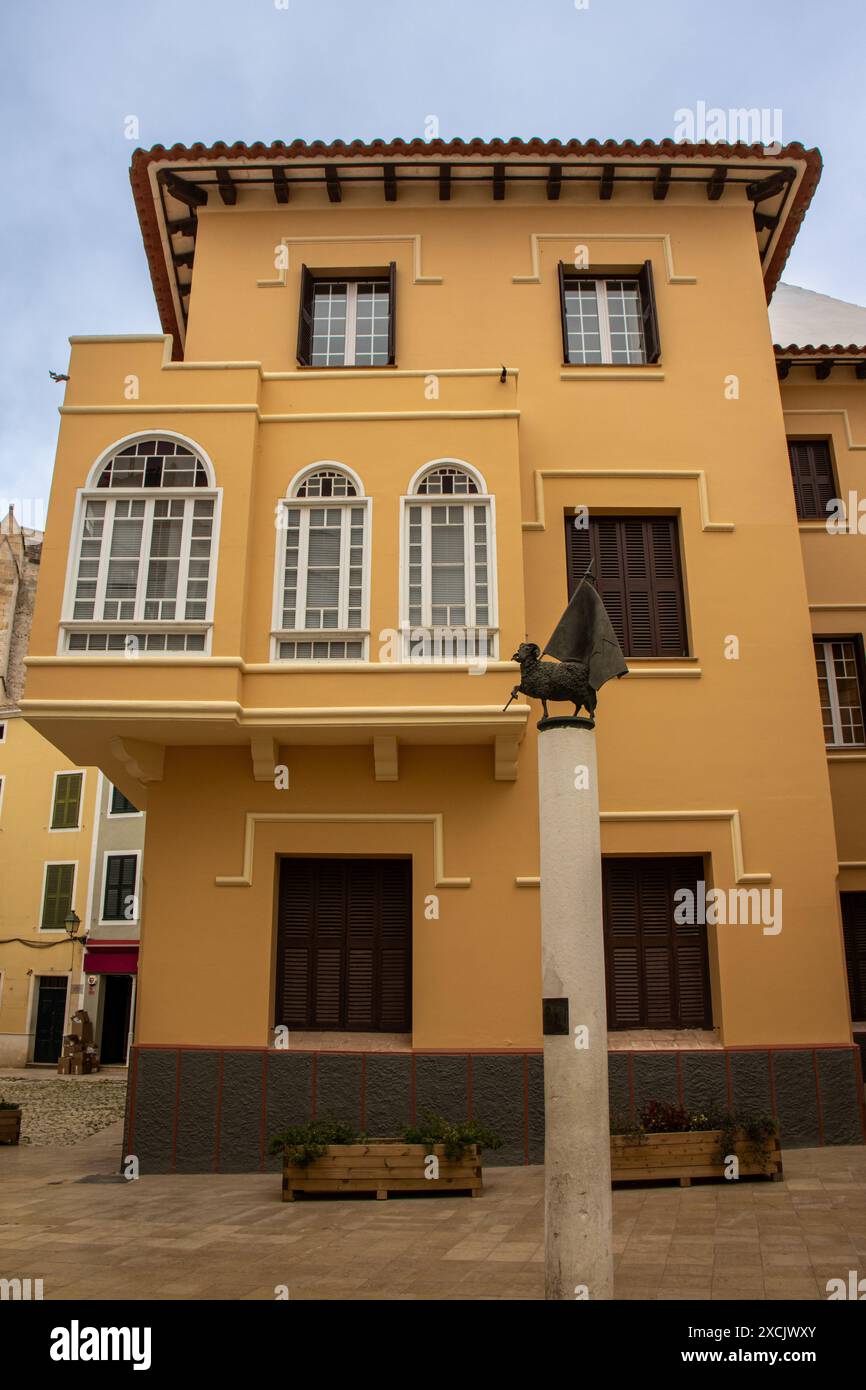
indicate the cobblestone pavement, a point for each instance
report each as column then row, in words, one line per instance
column 64, row 1109
column 229, row 1236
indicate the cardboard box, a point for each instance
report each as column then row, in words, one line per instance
column 81, row 1026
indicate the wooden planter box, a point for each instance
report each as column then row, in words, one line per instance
column 383, row 1166
column 694, row 1154
column 10, row 1126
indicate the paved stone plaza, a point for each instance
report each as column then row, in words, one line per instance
column 223, row 1236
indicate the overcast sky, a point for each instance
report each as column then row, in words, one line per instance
column 71, row 71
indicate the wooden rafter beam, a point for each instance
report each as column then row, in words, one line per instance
column 860, row 371
column 764, row 222
column 444, row 182
column 769, row 187
column 783, row 366
column 716, row 184
column 335, row 192
column 662, row 182
column 823, row 369
column 499, row 182
column 227, row 187
column 605, row 186
column 184, row 191
column 281, row 186
column 390, row 175
column 182, row 226
column 554, row 182
column 183, row 257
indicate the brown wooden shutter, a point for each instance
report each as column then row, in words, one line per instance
column 657, row 969
column 639, row 579
column 392, row 313
column 565, row 356
column 344, row 955
column 652, row 341
column 854, row 928
column 305, row 319
column 812, row 476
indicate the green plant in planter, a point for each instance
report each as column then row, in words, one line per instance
column 301, row 1144
column 754, row 1132
column 455, row 1138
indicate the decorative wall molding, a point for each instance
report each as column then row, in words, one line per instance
column 696, row 475
column 434, row 819
column 298, row 418
column 657, row 817
column 846, row 420
column 584, row 374
column 418, row 278
column 578, row 238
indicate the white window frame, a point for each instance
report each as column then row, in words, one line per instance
column 2, row 790
column 321, row 634
column 104, row 921
column 49, row 864
column 67, row 829
column 91, row 493
column 604, row 339
column 412, row 635
column 118, row 815
column 350, row 347
column 833, row 692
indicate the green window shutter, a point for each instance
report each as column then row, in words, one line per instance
column 119, row 888
column 121, row 805
column 57, row 898
column 67, row 801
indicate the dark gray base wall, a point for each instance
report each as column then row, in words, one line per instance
column 197, row 1110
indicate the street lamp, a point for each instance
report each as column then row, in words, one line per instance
column 72, row 922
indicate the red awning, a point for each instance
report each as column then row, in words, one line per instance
column 111, row 960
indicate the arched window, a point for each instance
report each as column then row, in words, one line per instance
column 448, row 591
column 144, row 565
column 321, row 610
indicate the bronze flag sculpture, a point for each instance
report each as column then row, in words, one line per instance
column 587, row 651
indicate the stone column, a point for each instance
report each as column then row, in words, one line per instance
column 577, row 1200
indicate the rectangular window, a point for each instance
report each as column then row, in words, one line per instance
column 119, row 902
column 323, row 579
column 144, row 559
column 57, row 892
column 608, row 318
column 854, row 929
column 812, row 476
column 120, row 805
column 344, row 944
column 66, row 809
column 639, row 578
column 657, row 969
column 2, row 731
column 840, row 683
column 347, row 321
column 448, row 587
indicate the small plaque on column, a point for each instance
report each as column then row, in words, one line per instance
column 554, row 1015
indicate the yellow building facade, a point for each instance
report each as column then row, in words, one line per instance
column 413, row 388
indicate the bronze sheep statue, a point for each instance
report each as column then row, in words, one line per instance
column 553, row 680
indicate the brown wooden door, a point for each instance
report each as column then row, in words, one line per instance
column 657, row 970
column 344, row 949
